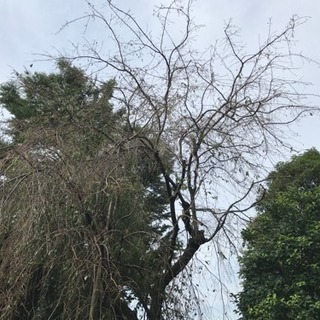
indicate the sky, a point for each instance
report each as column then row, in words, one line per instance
column 32, row 27
column 29, row 28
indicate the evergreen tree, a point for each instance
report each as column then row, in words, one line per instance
column 280, row 266
column 81, row 235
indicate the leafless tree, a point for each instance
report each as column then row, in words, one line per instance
column 219, row 113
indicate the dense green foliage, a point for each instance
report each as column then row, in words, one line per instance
column 81, row 203
column 280, row 266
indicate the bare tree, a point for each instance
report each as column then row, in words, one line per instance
column 217, row 114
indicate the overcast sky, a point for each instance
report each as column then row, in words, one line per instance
column 30, row 27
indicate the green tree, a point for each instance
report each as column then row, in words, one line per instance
column 81, row 203
column 280, row 266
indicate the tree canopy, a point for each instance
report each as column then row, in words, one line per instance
column 280, row 266
column 80, row 202
column 111, row 183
